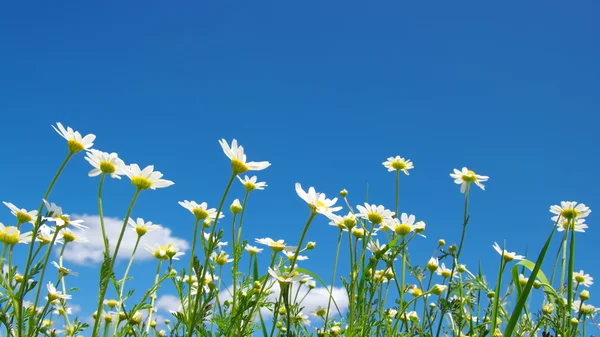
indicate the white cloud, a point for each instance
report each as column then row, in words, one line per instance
column 167, row 303
column 91, row 252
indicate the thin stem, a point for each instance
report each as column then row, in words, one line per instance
column 100, row 213
column 112, row 264
column 337, row 252
column 191, row 271
column 153, row 298
column 124, row 280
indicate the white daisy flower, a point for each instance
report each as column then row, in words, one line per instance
column 162, row 252
column 63, row 220
column 286, row 277
column 253, row 250
column 506, row 255
column 146, row 178
column 577, row 225
column 317, row 202
column 404, row 226
column 10, row 235
column 62, row 270
column 375, row 247
column 582, row 278
column 67, row 235
column 22, row 214
column 238, row 158
column 105, row 163
column 398, row 164
column 251, row 184
column 467, row 176
column 277, row 246
column 570, row 210
column 54, row 294
column 75, row 142
column 376, row 214
column 45, row 234
column 200, row 211
column 141, row 227
column 290, row 255
column 445, row 272
column 220, row 258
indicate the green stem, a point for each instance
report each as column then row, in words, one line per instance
column 153, row 298
column 100, row 213
column 191, row 271
column 124, row 280
column 112, row 264
column 36, row 227
column 193, row 311
column 497, row 296
column 571, row 267
column 337, row 253
column 293, row 261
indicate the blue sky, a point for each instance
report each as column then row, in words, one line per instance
column 325, row 92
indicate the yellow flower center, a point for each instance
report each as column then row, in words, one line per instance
column 141, row 230
column 417, row 292
column 249, row 186
column 402, row 229
column 221, row 259
column 399, row 165
column 238, row 167
column 68, row 236
column 141, row 182
column 107, row 167
column 470, row 177
column 10, row 238
column 507, row 257
column 112, row 303
column 200, row 213
column 66, row 219
column 446, row 273
column 74, row 146
column 569, row 213
column 157, row 253
column 375, row 218
column 23, row 217
column 579, row 278
column 277, row 246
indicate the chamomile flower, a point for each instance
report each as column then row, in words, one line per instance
column 290, row 255
column 398, row 164
column 11, row 235
column 64, row 220
column 54, row 294
column 22, row 214
column 141, row 227
column 238, row 158
column 466, row 176
column 105, row 163
column 317, row 202
column 583, row 308
column 376, row 214
column 146, row 178
column 45, row 234
column 277, row 246
column 577, row 225
column 579, row 277
column 75, row 142
column 506, row 255
column 253, row 250
column 200, row 211
column 66, row 235
column 220, row 258
column 375, row 247
column 286, row 277
column 404, row 226
column 445, row 272
column 250, row 184
column 63, row 271
column 162, row 252
column 59, row 310
column 570, row 210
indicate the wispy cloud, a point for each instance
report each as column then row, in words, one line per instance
column 91, row 252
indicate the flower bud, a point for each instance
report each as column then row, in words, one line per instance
column 311, row 245
column 235, row 207
column 584, row 295
column 441, row 242
column 343, row 193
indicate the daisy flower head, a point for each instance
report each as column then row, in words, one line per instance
column 253, row 250
column 146, row 178
column 105, row 163
column 67, row 235
column 21, row 214
column 62, row 271
column 162, row 252
column 579, row 277
column 250, row 183
column 376, row 214
column 402, row 227
column 465, row 177
column 10, row 235
column 200, row 211
column 220, row 258
column 142, row 227
column 317, row 202
column 445, row 272
column 238, row 158
column 75, row 142
column 398, row 164
column 64, row 220
column 506, row 255
column 375, row 247
column 576, row 225
column 286, row 277
column 570, row 210
column 45, row 234
column 277, row 246
column 290, row 255
column 235, row 207
column 54, row 294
